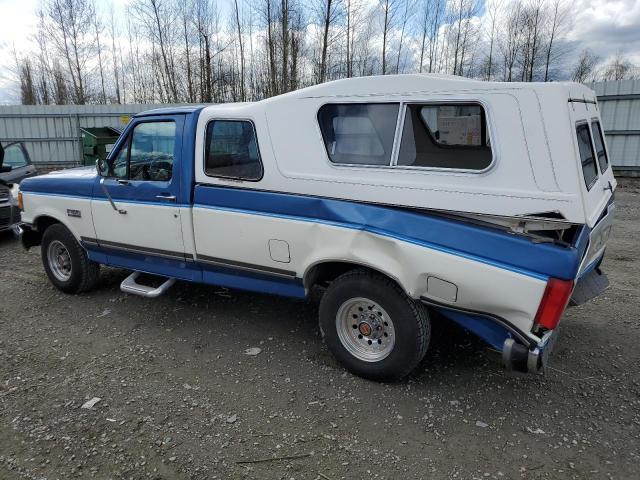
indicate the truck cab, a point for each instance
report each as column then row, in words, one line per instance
column 397, row 196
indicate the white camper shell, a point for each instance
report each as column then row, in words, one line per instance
column 531, row 128
column 490, row 203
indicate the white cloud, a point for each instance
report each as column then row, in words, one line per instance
column 607, row 27
column 18, row 25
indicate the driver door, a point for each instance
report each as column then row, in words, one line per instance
column 135, row 203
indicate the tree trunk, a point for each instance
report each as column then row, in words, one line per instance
column 325, row 39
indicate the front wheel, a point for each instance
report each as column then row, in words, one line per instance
column 372, row 327
column 66, row 262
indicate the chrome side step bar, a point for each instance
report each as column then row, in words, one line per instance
column 129, row 285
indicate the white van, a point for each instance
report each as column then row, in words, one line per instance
column 490, row 203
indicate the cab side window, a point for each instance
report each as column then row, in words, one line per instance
column 152, row 151
column 231, row 150
column 148, row 153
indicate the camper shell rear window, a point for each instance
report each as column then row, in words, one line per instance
column 434, row 135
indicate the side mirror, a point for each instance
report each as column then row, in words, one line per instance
column 5, row 168
column 101, row 167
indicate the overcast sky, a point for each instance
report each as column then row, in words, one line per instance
column 606, row 27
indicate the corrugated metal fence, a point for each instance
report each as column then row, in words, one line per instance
column 619, row 103
column 52, row 133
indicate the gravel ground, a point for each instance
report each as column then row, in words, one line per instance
column 180, row 398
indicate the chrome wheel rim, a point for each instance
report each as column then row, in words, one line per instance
column 59, row 260
column 365, row 329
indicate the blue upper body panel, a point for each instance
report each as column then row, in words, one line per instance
column 77, row 182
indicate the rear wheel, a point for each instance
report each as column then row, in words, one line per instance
column 66, row 262
column 372, row 327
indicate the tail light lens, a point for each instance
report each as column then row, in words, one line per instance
column 20, row 202
column 554, row 301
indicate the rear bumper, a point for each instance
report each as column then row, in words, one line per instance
column 518, row 358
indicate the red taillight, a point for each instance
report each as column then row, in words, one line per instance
column 554, row 301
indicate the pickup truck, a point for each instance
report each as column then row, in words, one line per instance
column 400, row 196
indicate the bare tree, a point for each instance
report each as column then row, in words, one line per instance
column 116, row 71
column 619, row 68
column 98, row 29
column 430, row 22
column 408, row 13
column 240, row 42
column 329, row 14
column 494, row 9
column 509, row 41
column 585, row 66
column 557, row 23
column 158, row 16
column 70, row 23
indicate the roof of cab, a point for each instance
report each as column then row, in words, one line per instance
column 183, row 110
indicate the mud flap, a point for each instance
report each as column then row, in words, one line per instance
column 589, row 287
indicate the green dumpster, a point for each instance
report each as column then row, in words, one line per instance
column 97, row 142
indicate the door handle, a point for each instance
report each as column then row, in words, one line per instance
column 123, row 181
column 167, row 197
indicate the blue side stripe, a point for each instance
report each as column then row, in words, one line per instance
column 476, row 242
column 483, row 244
column 378, row 231
column 116, row 200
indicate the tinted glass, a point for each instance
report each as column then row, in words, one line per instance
column 232, row 150
column 445, row 136
column 14, row 157
column 119, row 164
column 603, row 161
column 152, row 151
column 587, row 157
column 359, row 133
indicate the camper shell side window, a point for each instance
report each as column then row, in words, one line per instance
column 359, row 133
column 451, row 136
column 587, row 155
column 445, row 136
column 601, row 152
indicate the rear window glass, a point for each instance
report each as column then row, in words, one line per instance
column 598, row 139
column 587, row 157
column 359, row 133
column 232, row 150
column 445, row 136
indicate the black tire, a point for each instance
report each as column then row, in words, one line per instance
column 410, row 321
column 84, row 273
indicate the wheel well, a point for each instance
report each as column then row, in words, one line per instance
column 44, row 222
column 324, row 273
column 33, row 236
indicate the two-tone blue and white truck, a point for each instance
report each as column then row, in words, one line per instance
column 490, row 203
